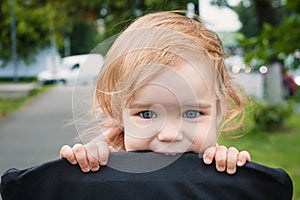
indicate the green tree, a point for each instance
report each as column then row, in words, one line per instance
column 83, row 30
column 119, row 13
column 249, row 19
column 39, row 21
column 32, row 29
column 277, row 38
column 269, row 31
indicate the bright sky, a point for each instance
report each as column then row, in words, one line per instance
column 217, row 19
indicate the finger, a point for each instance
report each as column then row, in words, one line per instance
column 112, row 149
column 243, row 157
column 221, row 156
column 209, row 155
column 81, row 157
column 103, row 152
column 92, row 156
column 67, row 153
column 232, row 157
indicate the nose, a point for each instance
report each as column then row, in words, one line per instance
column 170, row 132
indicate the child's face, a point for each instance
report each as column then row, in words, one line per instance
column 175, row 112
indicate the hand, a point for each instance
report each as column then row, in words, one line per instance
column 226, row 159
column 89, row 157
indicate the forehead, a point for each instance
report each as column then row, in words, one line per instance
column 183, row 81
column 185, row 75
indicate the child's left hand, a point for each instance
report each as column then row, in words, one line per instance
column 226, row 158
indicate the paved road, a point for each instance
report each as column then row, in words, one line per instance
column 35, row 133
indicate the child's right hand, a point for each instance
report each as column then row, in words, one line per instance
column 89, row 157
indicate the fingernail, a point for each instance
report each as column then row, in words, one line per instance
column 94, row 169
column 221, row 168
column 207, row 160
column 86, row 169
column 74, row 162
column 103, row 162
column 230, row 171
column 239, row 163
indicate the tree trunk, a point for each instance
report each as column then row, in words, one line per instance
column 274, row 84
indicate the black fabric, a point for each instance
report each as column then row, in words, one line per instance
column 186, row 178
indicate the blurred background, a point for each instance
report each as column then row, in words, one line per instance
column 40, row 44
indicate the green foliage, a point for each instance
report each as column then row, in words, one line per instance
column 32, row 29
column 271, row 117
column 275, row 42
column 121, row 13
column 296, row 97
column 250, row 27
column 83, row 30
column 39, row 21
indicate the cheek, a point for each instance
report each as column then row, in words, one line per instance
column 137, row 134
column 140, row 130
column 202, row 136
column 135, row 144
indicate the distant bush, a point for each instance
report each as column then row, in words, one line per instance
column 296, row 96
column 271, row 117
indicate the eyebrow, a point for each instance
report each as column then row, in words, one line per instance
column 198, row 105
column 140, row 105
column 194, row 105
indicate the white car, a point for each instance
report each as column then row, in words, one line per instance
column 79, row 68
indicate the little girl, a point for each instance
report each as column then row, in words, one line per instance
column 165, row 88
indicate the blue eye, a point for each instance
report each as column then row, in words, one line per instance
column 191, row 114
column 147, row 114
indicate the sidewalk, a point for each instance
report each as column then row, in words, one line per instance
column 35, row 133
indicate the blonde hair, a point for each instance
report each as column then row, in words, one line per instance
column 162, row 38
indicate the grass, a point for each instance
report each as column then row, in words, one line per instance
column 278, row 149
column 10, row 105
